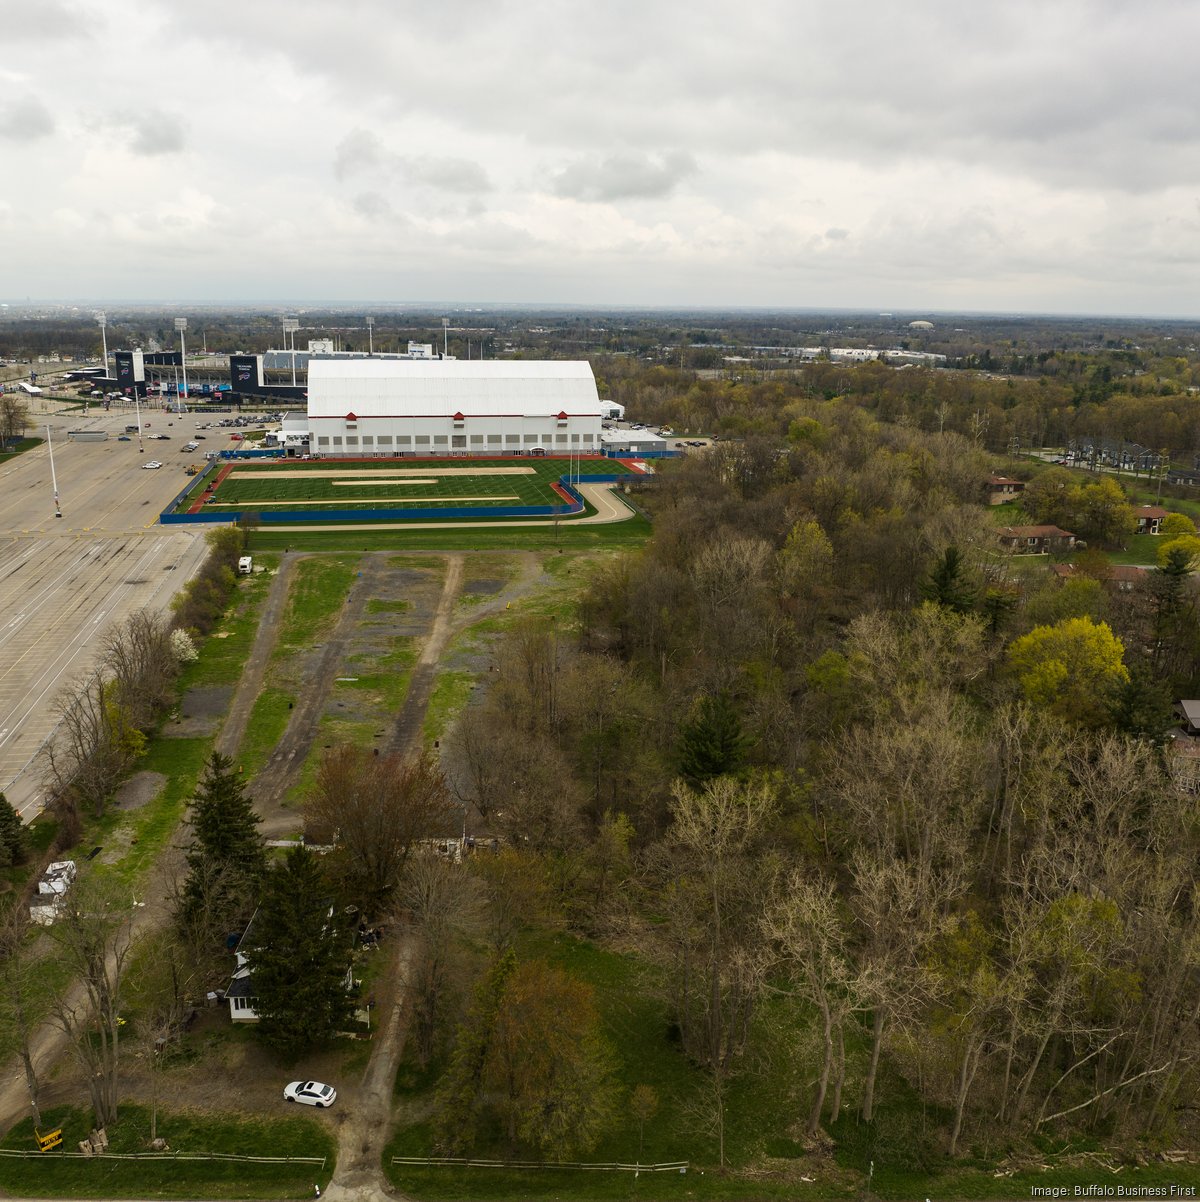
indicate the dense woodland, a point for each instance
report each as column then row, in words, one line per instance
column 820, row 740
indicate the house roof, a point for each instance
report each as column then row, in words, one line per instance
column 1127, row 572
column 1191, row 711
column 241, row 985
column 1035, row 532
column 1151, row 511
column 998, row 480
column 1117, row 573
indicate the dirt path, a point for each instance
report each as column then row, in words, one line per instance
column 406, row 734
column 255, row 670
column 361, row 1139
column 282, row 769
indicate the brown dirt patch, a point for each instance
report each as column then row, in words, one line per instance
column 140, row 789
column 201, row 713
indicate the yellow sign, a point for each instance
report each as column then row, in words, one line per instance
column 49, row 1140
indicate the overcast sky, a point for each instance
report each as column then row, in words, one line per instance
column 999, row 155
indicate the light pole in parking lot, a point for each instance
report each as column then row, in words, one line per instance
column 370, row 335
column 53, row 477
column 290, row 326
column 102, row 321
column 181, row 325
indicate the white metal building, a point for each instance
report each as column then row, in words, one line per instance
column 634, row 442
column 383, row 407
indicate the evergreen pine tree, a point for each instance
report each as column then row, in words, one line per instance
column 227, row 856
column 712, row 743
column 947, row 583
column 13, row 844
column 298, row 956
column 1168, row 587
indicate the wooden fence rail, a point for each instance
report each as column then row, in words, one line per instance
column 673, row 1166
column 234, row 1156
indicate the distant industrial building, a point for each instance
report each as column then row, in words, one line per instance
column 396, row 406
column 632, row 442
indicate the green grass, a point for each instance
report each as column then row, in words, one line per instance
column 451, row 692
column 292, row 482
column 224, row 653
column 268, row 721
column 144, row 832
column 131, row 841
column 380, row 605
column 12, row 450
column 1140, row 548
column 53, row 1175
column 630, row 533
column 332, row 730
column 388, row 689
column 318, row 591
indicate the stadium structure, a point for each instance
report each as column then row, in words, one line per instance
column 400, row 406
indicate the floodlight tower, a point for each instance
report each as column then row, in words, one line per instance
column 102, row 321
column 181, row 325
column 445, row 337
column 370, row 335
column 290, row 326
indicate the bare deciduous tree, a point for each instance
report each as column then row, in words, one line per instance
column 445, row 904
column 94, row 745
column 139, row 657
column 378, row 807
column 94, row 933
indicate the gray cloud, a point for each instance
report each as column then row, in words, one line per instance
column 371, row 205
column 33, row 20
column 25, row 120
column 446, row 174
column 156, row 132
column 624, row 176
column 362, row 152
column 359, row 151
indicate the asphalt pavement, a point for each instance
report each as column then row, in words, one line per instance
column 65, row 581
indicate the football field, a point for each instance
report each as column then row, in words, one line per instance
column 265, row 486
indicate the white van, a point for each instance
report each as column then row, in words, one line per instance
column 245, row 565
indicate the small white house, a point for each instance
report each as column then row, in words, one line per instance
column 52, row 888
column 240, row 994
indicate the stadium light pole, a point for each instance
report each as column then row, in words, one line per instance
column 102, row 321
column 290, row 326
column 370, row 335
column 53, row 477
column 181, row 325
column 445, row 337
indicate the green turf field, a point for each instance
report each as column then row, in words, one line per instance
column 397, row 484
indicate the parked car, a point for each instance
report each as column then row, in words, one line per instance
column 124, row 438
column 310, row 1093
column 150, row 465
